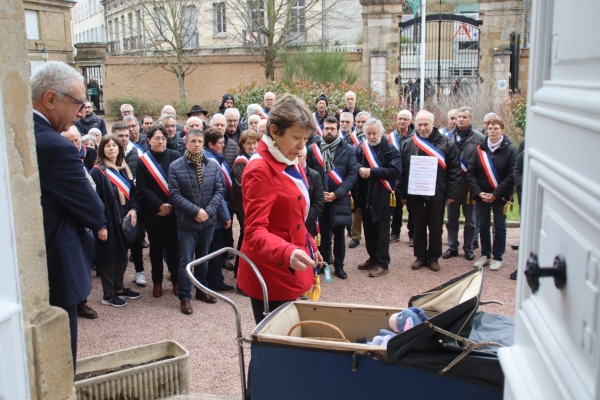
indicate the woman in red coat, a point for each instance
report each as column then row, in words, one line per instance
column 276, row 203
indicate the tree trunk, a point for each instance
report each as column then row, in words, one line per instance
column 181, row 81
column 270, row 61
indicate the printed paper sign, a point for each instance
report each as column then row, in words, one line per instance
column 422, row 176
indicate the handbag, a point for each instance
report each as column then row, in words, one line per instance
column 131, row 233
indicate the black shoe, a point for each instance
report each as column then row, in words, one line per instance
column 145, row 244
column 469, row 255
column 130, row 258
column 354, row 243
column 228, row 265
column 449, row 254
column 224, row 289
column 230, row 256
column 475, row 245
column 514, row 246
column 86, row 312
column 340, row 273
column 513, row 276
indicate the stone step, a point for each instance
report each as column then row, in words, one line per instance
column 198, row 396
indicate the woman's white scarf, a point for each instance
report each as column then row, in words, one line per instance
column 276, row 153
column 495, row 146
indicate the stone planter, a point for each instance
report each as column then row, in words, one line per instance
column 149, row 381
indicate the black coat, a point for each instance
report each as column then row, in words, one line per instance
column 468, row 153
column 176, row 144
column 95, row 122
column 90, row 158
column 344, row 160
column 69, row 206
column 230, row 151
column 151, row 195
column 446, row 185
column 371, row 194
column 504, row 160
column 317, row 201
column 114, row 249
column 519, row 168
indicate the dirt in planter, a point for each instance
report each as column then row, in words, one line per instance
column 92, row 374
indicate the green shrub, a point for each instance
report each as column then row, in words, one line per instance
column 142, row 107
column 318, row 66
column 367, row 100
column 519, row 112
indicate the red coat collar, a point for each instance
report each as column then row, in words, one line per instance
column 264, row 152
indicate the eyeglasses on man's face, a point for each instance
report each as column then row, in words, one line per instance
column 81, row 102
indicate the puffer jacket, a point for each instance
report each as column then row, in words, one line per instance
column 468, row 152
column 504, row 160
column 446, row 185
column 187, row 197
column 344, row 160
column 230, row 151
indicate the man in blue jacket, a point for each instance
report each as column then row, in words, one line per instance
column 70, row 205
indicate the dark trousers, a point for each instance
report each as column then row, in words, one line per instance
column 72, row 311
column 397, row 220
column 136, row 253
column 452, row 225
column 111, row 276
column 258, row 307
column 428, row 216
column 240, row 217
column 163, row 241
column 377, row 239
column 193, row 244
column 228, row 238
column 214, row 278
column 339, row 241
column 499, row 246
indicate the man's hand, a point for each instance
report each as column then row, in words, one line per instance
column 164, row 209
column 329, row 197
column 133, row 215
column 227, row 225
column 103, row 234
column 448, row 201
column 364, row 172
column 202, row 216
column 404, row 201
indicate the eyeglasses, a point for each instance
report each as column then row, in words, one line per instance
column 130, row 127
column 170, row 126
column 222, row 142
column 158, row 138
column 233, row 121
column 81, row 102
column 330, row 129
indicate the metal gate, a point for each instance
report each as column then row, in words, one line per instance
column 451, row 59
column 94, row 84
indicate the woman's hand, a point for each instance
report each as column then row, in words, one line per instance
column 103, row 234
column 318, row 257
column 133, row 215
column 164, row 209
column 299, row 260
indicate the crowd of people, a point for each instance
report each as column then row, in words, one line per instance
column 297, row 181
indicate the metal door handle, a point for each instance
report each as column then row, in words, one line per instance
column 534, row 272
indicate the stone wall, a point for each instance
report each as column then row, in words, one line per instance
column 54, row 29
column 524, row 70
column 46, row 329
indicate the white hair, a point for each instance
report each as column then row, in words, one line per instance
column 453, row 111
column 350, row 92
column 129, row 118
column 169, row 107
column 253, row 108
column 360, row 114
column 87, row 137
column 125, row 105
column 95, row 131
column 265, row 95
column 405, row 112
column 218, row 116
column 254, row 116
column 164, row 117
column 490, row 115
column 425, row 112
column 376, row 122
column 232, row 111
column 53, row 75
column 347, row 114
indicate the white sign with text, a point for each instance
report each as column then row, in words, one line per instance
column 422, row 176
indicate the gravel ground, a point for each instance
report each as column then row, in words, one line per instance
column 209, row 333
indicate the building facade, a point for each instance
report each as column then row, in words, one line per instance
column 88, row 22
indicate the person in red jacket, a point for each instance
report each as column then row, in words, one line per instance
column 276, row 203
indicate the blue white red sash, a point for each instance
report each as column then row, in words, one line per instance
column 122, row 184
column 375, row 163
column 355, row 140
column 464, row 166
column 488, row 168
column 241, row 158
column 334, row 174
column 393, row 139
column 224, row 172
column 319, row 128
column 430, row 150
column 156, row 171
column 263, row 115
column 343, row 134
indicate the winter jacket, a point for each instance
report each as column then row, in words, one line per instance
column 188, row 198
column 317, row 200
column 446, row 185
column 274, row 226
column 519, row 168
column 504, row 160
column 469, row 151
column 371, row 194
column 151, row 195
column 314, row 138
column 176, row 144
column 231, row 149
column 143, row 142
column 93, row 121
column 344, row 160
column 354, row 113
column 132, row 154
column 235, row 200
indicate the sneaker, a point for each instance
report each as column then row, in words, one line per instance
column 113, row 300
column 411, row 242
column 394, row 238
column 482, row 262
column 513, row 276
column 495, row 265
column 129, row 294
column 140, row 278
column 224, row 289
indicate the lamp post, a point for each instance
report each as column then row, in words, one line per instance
column 45, row 54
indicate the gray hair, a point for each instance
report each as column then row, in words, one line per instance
column 265, row 95
column 129, row 118
column 350, row 92
column 374, row 121
column 405, row 112
column 193, row 132
column 94, row 131
column 453, row 111
column 53, row 75
column 254, row 115
column 87, row 137
column 251, row 109
column 425, row 112
column 164, row 117
column 490, row 115
column 360, row 114
column 463, row 109
column 233, row 111
column 170, row 108
column 125, row 105
column 347, row 114
column 218, row 116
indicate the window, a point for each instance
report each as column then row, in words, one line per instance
column 256, row 12
column 469, row 45
column 110, row 31
column 220, row 25
column 139, row 23
column 32, row 25
column 161, row 21
column 297, row 17
column 130, row 17
column 117, row 36
column 190, row 27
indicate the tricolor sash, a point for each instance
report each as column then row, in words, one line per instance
column 224, row 172
column 429, row 149
column 319, row 127
column 343, row 134
column 488, row 167
column 375, row 163
column 355, row 140
column 334, row 174
column 123, row 185
column 240, row 159
column 393, row 139
column 157, row 172
column 464, row 166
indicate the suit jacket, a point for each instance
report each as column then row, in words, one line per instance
column 69, row 206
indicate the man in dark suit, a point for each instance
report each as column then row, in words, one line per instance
column 69, row 203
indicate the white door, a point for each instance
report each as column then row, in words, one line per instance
column 556, row 354
column 13, row 361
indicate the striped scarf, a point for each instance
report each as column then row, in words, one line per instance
column 199, row 161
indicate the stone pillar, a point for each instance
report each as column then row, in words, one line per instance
column 500, row 19
column 381, row 44
column 501, row 76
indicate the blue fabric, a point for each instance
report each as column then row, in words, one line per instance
column 193, row 243
column 485, row 210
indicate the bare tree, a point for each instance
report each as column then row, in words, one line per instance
column 266, row 27
column 169, row 29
